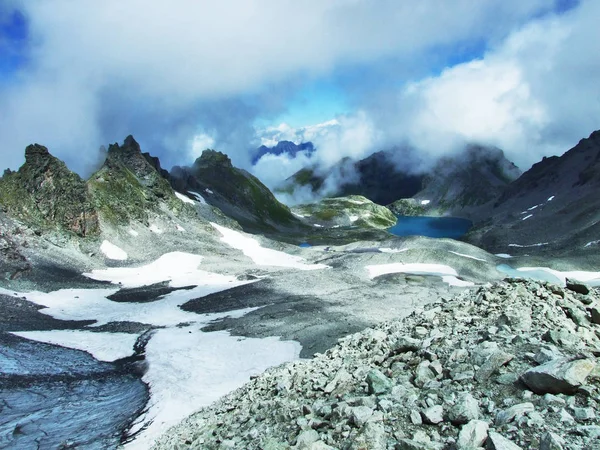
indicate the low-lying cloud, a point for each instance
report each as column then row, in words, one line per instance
column 167, row 72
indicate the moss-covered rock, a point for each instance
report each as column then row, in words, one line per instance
column 130, row 185
column 407, row 207
column 47, row 195
column 353, row 210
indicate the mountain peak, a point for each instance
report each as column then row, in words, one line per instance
column 212, row 158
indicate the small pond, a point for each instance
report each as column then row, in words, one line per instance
column 437, row 227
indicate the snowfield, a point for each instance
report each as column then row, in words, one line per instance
column 111, row 251
column 447, row 273
column 263, row 256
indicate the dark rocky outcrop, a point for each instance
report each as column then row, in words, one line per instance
column 234, row 191
column 561, row 191
column 47, row 195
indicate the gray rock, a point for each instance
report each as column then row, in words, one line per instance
column 584, row 414
column 578, row 287
column 360, row 415
column 423, row 374
column 407, row 344
column 372, row 436
column 551, row 441
column 306, row 438
column 409, row 444
column 472, row 435
column 433, row 415
column 546, row 354
column 514, row 412
column 595, row 315
column 341, row 379
column 560, row 376
column 415, row 417
column 378, row 383
column 465, row 409
column 320, row 445
column 491, row 364
column 496, row 441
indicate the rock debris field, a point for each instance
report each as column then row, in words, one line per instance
column 504, row 366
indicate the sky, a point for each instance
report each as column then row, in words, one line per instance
column 353, row 76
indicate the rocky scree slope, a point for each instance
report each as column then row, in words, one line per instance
column 507, row 366
column 234, row 191
column 561, row 190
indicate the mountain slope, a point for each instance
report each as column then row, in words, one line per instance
column 471, row 178
column 555, row 204
column 46, row 194
column 375, row 177
column 234, row 191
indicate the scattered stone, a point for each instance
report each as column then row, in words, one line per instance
column 584, row 414
column 433, row 415
column 595, row 315
column 306, row 438
column 465, row 410
column 378, row 383
column 496, row 441
column 360, row 415
column 514, row 412
column 551, row 441
column 472, row 435
column 415, row 418
column 575, row 286
column 560, row 376
column 491, row 364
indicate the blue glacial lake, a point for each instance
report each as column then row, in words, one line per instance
column 436, row 227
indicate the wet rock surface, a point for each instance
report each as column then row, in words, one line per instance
column 414, row 383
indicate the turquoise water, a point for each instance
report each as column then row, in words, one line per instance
column 437, row 227
column 305, row 245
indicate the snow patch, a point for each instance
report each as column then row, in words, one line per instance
column 532, row 208
column 551, row 275
column 208, row 191
column 589, row 244
column 180, row 228
column 184, row 198
column 260, row 255
column 425, row 202
column 468, row 256
column 111, row 251
column 190, row 369
column 539, row 244
column 354, row 218
column 392, row 250
column 503, row 255
column 133, row 233
column 317, row 225
column 299, row 215
column 198, row 197
column 527, row 217
column 102, row 346
column 155, row 229
column 550, row 198
column 357, row 202
column 448, row 274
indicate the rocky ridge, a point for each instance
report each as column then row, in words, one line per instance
column 506, row 366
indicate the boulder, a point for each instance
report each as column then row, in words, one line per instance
column 559, row 376
column 472, row 435
column 496, row 441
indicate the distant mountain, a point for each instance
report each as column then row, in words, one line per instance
column 375, row 177
column 471, row 178
column 282, row 147
column 556, row 203
column 234, row 191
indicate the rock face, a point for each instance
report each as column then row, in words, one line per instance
column 234, row 191
column 345, row 212
column 473, row 177
column 47, row 195
column 561, row 190
column 413, row 384
column 130, row 185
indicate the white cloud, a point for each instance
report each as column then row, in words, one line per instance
column 535, row 94
column 163, row 70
